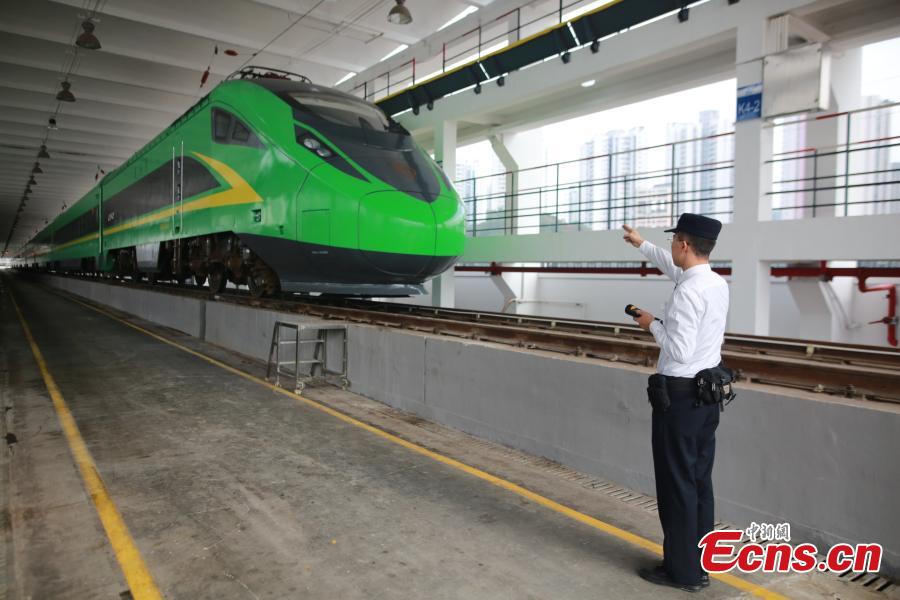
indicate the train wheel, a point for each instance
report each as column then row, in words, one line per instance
column 257, row 286
column 217, row 279
column 263, row 282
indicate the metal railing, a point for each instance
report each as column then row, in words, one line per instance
column 858, row 175
column 647, row 186
column 470, row 45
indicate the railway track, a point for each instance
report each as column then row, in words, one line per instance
column 852, row 371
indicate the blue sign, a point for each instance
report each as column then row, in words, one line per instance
column 749, row 102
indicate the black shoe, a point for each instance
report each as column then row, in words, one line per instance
column 660, row 577
column 704, row 577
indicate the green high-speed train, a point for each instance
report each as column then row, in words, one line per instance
column 273, row 182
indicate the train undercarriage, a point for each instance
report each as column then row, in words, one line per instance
column 211, row 260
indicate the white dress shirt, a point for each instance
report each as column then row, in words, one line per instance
column 693, row 323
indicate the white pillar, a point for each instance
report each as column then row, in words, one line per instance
column 511, row 202
column 445, row 147
column 750, row 287
column 509, row 296
column 443, row 289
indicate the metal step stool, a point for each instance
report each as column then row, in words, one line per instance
column 319, row 358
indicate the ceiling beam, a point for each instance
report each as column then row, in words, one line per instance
column 229, row 23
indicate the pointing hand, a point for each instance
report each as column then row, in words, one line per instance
column 632, row 236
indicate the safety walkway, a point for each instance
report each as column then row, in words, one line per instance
column 147, row 461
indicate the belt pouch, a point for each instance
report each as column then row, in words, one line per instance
column 658, row 392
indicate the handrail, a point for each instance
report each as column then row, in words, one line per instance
column 608, row 155
column 479, row 28
column 852, row 174
column 831, row 115
column 567, row 35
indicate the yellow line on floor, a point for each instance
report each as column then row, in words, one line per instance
column 612, row 530
column 136, row 574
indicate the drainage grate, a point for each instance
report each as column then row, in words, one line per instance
column 871, row 581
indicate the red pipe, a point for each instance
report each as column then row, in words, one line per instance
column 643, row 270
column 891, row 319
column 861, row 275
column 823, row 271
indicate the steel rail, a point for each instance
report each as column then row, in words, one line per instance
column 848, row 370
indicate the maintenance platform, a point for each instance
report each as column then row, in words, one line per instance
column 143, row 456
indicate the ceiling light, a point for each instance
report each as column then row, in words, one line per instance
column 396, row 50
column 32, row 180
column 28, row 190
column 37, row 168
column 468, row 11
column 87, row 39
column 64, row 94
column 344, row 78
column 51, row 124
column 595, row 46
column 399, row 14
column 43, row 153
column 566, row 57
column 588, row 83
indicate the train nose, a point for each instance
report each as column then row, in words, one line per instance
column 397, row 234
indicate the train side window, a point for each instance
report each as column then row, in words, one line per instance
column 228, row 129
column 221, row 125
column 240, row 133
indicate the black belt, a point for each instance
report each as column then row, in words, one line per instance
column 681, row 384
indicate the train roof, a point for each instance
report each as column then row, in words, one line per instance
column 281, row 86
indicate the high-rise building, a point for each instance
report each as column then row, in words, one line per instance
column 588, row 185
column 789, row 171
column 709, row 156
column 622, row 164
column 873, row 158
column 683, row 160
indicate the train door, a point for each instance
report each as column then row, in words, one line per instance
column 101, row 260
column 177, row 188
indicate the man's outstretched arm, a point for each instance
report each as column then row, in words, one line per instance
column 659, row 257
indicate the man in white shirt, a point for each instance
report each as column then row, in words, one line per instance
column 690, row 336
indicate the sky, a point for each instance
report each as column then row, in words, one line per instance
column 881, row 70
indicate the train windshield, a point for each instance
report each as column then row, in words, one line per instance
column 342, row 111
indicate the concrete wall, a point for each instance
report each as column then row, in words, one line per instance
column 183, row 314
column 826, row 466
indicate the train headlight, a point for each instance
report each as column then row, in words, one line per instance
column 311, row 143
column 323, row 152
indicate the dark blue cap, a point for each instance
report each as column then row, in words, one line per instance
column 698, row 225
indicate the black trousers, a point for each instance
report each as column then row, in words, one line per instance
column 684, row 446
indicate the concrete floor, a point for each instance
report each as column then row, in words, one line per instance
column 231, row 490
